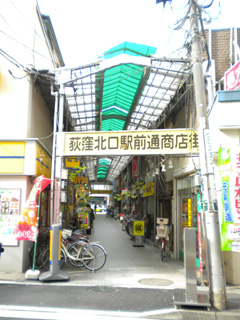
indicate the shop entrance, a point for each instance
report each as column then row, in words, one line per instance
column 121, row 143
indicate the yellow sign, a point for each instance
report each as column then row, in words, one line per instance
column 12, row 157
column 102, row 191
column 84, row 221
column 72, row 162
column 189, row 212
column 83, row 180
column 174, row 141
column 148, row 189
column 43, row 163
column 138, row 228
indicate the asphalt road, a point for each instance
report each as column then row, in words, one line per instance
column 91, row 298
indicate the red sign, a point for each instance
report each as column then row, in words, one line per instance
column 232, row 77
column 199, row 243
column 134, row 167
column 27, row 225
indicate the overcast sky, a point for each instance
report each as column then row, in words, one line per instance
column 86, row 28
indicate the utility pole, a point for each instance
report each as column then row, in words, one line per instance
column 216, row 273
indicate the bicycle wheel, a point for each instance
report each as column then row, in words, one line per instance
column 74, row 252
column 162, row 254
column 46, row 255
column 162, row 250
column 93, row 257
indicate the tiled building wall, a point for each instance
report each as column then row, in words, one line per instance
column 221, row 50
column 185, row 114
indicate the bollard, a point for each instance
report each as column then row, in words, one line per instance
column 55, row 257
column 191, row 298
column 138, row 241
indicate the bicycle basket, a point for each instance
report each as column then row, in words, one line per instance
column 66, row 233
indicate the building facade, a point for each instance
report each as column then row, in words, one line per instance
column 28, row 44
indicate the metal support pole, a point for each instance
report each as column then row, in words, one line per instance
column 54, row 156
column 55, row 274
column 55, row 246
column 216, row 272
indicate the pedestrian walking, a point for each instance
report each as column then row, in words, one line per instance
column 108, row 212
column 92, row 217
column 95, row 208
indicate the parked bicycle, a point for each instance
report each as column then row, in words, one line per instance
column 44, row 252
column 163, row 248
column 80, row 253
column 162, row 234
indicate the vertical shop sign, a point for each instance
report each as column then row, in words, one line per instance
column 199, row 243
column 27, row 224
column 229, row 164
column 114, row 185
column 134, row 167
column 189, row 212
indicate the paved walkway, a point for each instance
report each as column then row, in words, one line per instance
column 129, row 266
column 134, row 275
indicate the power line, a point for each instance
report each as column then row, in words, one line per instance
column 10, row 59
column 208, row 6
column 29, row 24
column 32, row 50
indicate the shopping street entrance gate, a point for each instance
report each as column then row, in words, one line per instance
column 117, row 143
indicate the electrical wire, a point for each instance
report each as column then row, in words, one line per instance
column 18, row 78
column 181, row 22
column 204, row 37
column 208, row 6
column 25, row 19
column 11, row 59
column 46, row 137
column 32, row 50
column 181, row 8
column 41, row 76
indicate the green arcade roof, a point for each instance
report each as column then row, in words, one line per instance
column 126, row 89
column 120, row 91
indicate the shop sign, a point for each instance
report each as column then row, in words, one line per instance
column 148, row 189
column 189, row 212
column 138, row 228
column 199, row 206
column 12, row 157
column 9, row 215
column 135, row 167
column 83, row 220
column 102, row 191
column 81, row 180
column 114, row 185
column 229, row 165
column 72, row 162
column 232, row 77
column 27, row 224
column 43, row 162
column 199, row 243
column 166, row 141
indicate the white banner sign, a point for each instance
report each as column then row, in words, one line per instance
column 175, row 141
